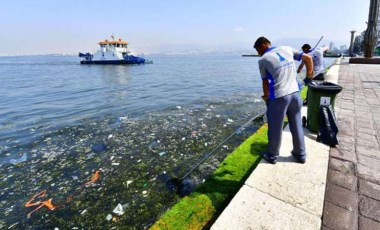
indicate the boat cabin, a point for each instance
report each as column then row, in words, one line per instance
column 114, row 45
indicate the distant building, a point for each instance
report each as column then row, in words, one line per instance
column 331, row 47
column 343, row 47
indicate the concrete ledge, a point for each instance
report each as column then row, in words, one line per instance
column 253, row 209
column 287, row 195
column 362, row 60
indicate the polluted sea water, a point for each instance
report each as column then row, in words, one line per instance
column 111, row 172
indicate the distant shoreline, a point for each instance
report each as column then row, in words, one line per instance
column 250, row 55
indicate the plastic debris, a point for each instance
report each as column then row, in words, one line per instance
column 99, row 148
column 94, row 178
column 118, row 210
column 41, row 204
column 13, row 225
column 162, row 153
column 109, row 217
column 123, row 118
column 178, row 107
column 114, row 163
column 17, row 161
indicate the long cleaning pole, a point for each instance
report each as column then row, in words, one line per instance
column 217, row 147
column 318, row 42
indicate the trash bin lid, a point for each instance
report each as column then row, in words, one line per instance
column 325, row 87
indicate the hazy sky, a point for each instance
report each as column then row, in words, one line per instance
column 71, row 26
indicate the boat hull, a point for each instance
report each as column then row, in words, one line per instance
column 112, row 62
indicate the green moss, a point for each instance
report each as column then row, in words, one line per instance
column 202, row 207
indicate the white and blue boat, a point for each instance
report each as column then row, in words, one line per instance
column 112, row 52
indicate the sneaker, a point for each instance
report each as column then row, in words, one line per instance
column 269, row 158
column 299, row 158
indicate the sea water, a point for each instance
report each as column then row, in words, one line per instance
column 134, row 126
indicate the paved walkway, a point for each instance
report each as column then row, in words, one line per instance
column 289, row 195
column 352, row 199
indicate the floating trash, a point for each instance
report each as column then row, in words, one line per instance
column 109, row 217
column 118, row 210
column 17, row 161
column 73, row 155
column 99, row 148
column 123, row 118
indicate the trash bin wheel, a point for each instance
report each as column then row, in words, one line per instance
column 304, row 121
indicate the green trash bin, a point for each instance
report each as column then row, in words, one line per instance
column 319, row 93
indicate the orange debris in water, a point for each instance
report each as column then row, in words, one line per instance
column 40, row 194
column 41, row 204
column 48, row 203
column 94, row 178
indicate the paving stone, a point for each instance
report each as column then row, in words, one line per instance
column 346, row 105
column 346, row 138
column 360, row 130
column 347, row 130
column 361, row 102
column 368, row 224
column 369, row 162
column 362, row 119
column 366, row 143
column 344, row 122
column 342, row 166
column 377, row 121
column 341, row 197
column 369, row 208
column 367, row 173
column 339, row 152
column 369, row 152
column 346, row 113
column 369, row 189
column 362, row 108
column 373, row 101
column 366, row 137
column 343, row 180
column 336, row 217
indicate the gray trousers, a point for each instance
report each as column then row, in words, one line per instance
column 289, row 105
